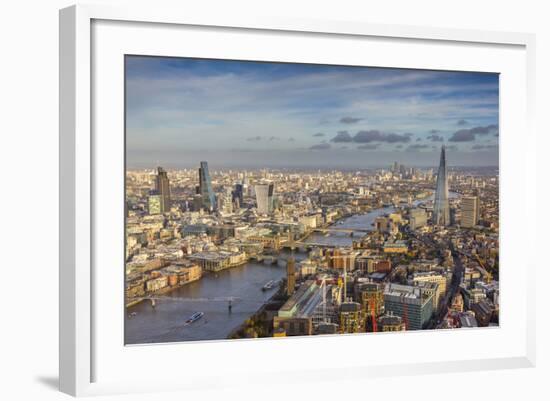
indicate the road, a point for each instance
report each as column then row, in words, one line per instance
column 458, row 274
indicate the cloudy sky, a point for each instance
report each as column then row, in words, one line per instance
column 250, row 114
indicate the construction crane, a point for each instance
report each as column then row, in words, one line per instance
column 488, row 276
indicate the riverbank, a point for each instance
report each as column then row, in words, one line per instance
column 162, row 291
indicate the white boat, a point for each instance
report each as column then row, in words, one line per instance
column 194, row 317
column 268, row 285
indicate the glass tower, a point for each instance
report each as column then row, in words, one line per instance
column 205, row 188
column 162, row 187
column 442, row 215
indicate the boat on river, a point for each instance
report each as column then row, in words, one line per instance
column 194, row 317
column 268, row 285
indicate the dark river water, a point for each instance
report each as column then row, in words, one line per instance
column 166, row 322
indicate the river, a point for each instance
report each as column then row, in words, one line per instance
column 165, row 322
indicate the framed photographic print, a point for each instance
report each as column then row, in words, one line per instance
column 241, row 191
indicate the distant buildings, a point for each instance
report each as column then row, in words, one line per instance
column 398, row 246
column 162, row 188
column 206, row 192
column 442, row 213
column 264, row 198
column 470, row 211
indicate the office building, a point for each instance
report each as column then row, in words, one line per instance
column 412, row 303
column 442, row 213
column 205, row 188
column 433, row 277
column 469, row 211
column 264, row 198
column 162, row 187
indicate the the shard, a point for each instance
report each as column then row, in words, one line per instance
column 442, row 215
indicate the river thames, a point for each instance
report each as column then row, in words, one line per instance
column 166, row 322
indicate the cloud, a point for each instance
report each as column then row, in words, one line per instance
column 461, row 122
column 320, row 146
column 484, row 147
column 416, row 147
column 274, row 138
column 342, row 136
column 418, row 139
column 434, row 131
column 350, row 120
column 453, row 148
column 254, row 138
column 464, row 135
column 398, row 146
column 435, row 138
column 370, row 146
column 291, row 139
column 377, row 136
column 468, row 135
column 319, row 134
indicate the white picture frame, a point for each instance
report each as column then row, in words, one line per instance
column 83, row 349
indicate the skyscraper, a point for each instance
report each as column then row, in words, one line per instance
column 264, row 198
column 162, row 188
column 205, row 188
column 470, row 211
column 238, row 195
column 442, row 215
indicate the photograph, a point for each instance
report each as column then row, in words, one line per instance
column 269, row 199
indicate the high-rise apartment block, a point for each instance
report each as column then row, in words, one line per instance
column 470, row 211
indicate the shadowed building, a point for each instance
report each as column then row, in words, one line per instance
column 470, row 211
column 441, row 213
column 391, row 322
column 162, row 188
column 205, row 188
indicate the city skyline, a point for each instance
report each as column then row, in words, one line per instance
column 254, row 114
column 280, row 200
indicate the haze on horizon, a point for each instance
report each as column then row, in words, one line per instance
column 240, row 114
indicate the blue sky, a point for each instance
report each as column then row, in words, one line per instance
column 255, row 114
